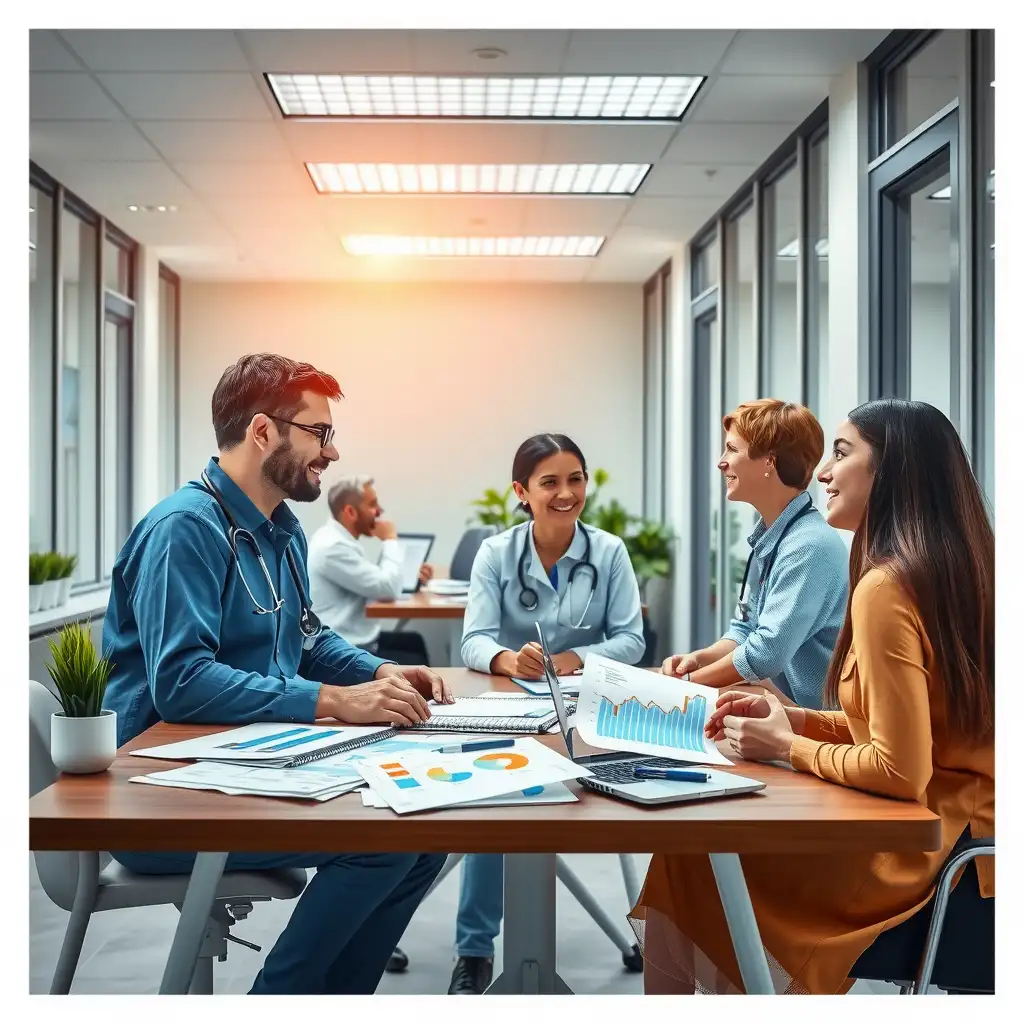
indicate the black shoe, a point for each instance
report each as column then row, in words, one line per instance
column 471, row 976
column 397, row 962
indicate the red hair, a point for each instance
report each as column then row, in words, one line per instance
column 788, row 432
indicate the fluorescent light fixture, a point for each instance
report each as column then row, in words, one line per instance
column 523, row 245
column 791, row 250
column 486, row 97
column 942, row 193
column 480, row 179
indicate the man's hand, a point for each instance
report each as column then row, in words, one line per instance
column 426, row 682
column 566, row 663
column 528, row 662
column 393, row 700
column 384, row 529
column 679, row 664
column 426, row 573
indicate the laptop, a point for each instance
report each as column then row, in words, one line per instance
column 415, row 551
column 613, row 772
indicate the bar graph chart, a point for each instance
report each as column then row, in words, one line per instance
column 632, row 721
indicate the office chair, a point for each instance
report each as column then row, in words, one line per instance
column 86, row 882
column 949, row 942
column 462, row 561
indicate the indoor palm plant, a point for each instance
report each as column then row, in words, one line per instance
column 66, row 572
column 37, row 573
column 51, row 585
column 83, row 737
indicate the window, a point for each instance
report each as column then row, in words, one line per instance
column 169, row 310
column 655, row 348
column 41, row 350
column 923, row 84
column 705, row 267
column 783, row 376
column 81, row 357
column 817, row 279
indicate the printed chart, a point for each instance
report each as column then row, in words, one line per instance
column 417, row 780
column 624, row 708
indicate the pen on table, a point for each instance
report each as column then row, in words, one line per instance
column 671, row 774
column 463, row 748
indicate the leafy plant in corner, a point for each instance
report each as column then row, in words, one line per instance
column 493, row 509
column 78, row 672
column 68, row 564
column 37, row 569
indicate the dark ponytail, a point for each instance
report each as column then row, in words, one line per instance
column 535, row 450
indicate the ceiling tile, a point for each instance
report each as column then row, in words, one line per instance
column 799, row 51
column 329, row 50
column 575, row 216
column 66, row 97
column 158, row 49
column 747, row 143
column 602, row 143
column 47, row 53
column 216, row 140
column 88, row 140
column 646, row 51
column 188, row 97
column 552, row 269
column 693, row 180
column 480, row 143
column 272, row 181
column 450, row 51
column 670, row 216
column 761, row 98
column 347, row 141
column 417, row 215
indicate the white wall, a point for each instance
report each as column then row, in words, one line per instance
column 442, row 382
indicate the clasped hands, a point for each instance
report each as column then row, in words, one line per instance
column 757, row 726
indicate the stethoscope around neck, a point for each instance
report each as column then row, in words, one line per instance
column 743, row 606
column 309, row 623
column 528, row 596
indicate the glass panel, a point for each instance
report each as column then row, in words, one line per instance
column 117, row 265
column 79, row 454
column 40, row 306
column 931, row 292
column 785, row 372
column 705, row 267
column 168, row 379
column 925, row 84
column 712, row 338
column 987, row 104
column 817, row 281
column 653, row 391
column 740, row 386
column 116, row 452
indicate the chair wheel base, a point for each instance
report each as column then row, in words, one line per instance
column 633, row 962
column 397, row 962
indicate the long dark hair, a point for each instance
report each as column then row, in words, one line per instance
column 926, row 525
column 535, row 450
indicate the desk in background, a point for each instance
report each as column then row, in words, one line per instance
column 796, row 814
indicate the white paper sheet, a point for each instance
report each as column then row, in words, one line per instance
column 556, row 793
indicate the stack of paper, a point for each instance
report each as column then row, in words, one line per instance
column 556, row 793
column 420, row 781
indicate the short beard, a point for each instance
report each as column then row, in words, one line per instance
column 288, row 474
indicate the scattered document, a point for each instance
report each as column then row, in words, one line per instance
column 235, row 780
column 569, row 685
column 420, row 781
column 556, row 793
column 625, row 708
column 270, row 744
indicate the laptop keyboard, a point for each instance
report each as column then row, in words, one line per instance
column 622, row 771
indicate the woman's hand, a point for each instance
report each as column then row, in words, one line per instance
column 566, row 663
column 756, row 726
column 680, row 664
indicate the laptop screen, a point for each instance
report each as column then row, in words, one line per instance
column 551, row 676
column 415, row 551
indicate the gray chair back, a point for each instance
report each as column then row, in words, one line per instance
column 57, row 869
column 469, row 545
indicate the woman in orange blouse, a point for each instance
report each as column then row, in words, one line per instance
column 913, row 675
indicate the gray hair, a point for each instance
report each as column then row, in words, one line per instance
column 347, row 491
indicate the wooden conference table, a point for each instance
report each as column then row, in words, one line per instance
column 796, row 814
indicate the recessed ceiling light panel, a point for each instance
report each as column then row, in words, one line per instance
column 479, row 179
column 486, row 97
column 473, row 246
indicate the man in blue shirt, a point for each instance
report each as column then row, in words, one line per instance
column 193, row 635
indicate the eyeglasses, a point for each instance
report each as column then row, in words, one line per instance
column 323, row 431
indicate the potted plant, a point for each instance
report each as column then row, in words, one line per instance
column 52, row 563
column 37, row 570
column 83, row 737
column 68, row 564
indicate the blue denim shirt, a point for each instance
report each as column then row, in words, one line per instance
column 180, row 628
column 795, row 619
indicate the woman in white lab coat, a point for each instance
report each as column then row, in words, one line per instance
column 578, row 583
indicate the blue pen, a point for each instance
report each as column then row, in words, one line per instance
column 465, row 748
column 671, row 774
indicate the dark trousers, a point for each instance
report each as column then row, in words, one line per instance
column 402, row 647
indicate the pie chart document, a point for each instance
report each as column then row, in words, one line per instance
column 422, row 781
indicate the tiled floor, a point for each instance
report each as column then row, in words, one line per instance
column 125, row 950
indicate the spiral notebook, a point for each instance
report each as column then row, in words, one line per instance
column 507, row 714
column 271, row 744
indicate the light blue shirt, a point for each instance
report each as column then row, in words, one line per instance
column 794, row 620
column 497, row 621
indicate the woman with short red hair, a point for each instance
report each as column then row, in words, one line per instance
column 790, row 606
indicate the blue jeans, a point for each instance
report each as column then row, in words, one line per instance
column 481, row 903
column 345, row 924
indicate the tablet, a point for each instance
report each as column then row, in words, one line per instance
column 415, row 551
